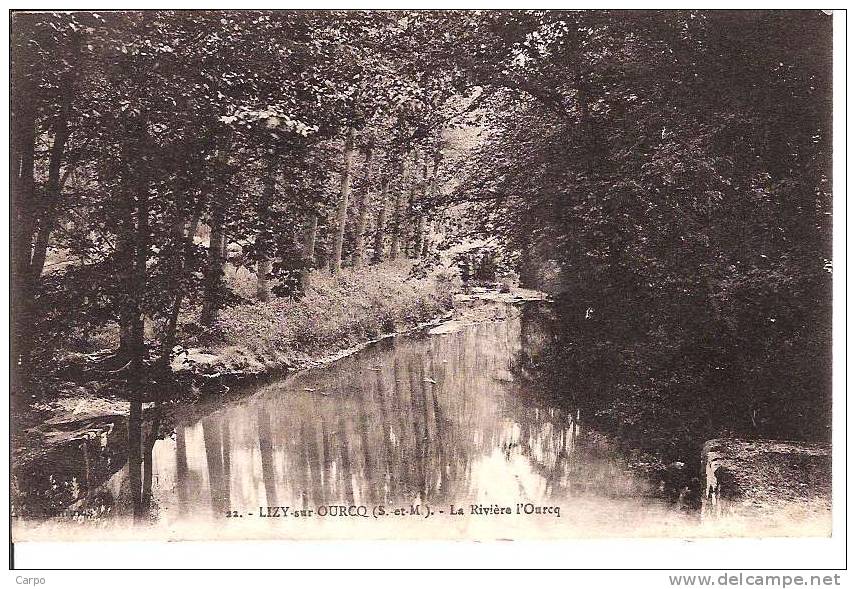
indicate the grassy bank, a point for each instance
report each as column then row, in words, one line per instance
column 335, row 314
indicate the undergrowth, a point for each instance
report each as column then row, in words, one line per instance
column 335, row 313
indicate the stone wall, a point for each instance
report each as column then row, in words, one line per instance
column 766, row 480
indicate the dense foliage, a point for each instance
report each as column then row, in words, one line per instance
column 677, row 168
column 673, row 166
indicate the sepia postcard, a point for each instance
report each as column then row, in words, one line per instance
column 421, row 274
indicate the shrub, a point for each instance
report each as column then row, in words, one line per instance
column 336, row 312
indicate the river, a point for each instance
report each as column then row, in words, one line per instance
column 418, row 435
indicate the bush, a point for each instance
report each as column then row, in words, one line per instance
column 448, row 278
column 336, row 312
column 508, row 281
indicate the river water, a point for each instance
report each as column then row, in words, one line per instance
column 415, row 436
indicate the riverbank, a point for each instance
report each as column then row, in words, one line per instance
column 448, row 418
column 336, row 316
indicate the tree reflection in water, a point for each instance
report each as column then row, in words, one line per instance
column 441, row 419
column 408, row 420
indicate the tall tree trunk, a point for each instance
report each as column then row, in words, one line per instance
column 409, row 230
column 312, row 238
column 344, row 191
column 168, row 340
column 420, row 207
column 53, row 188
column 24, row 173
column 134, row 236
column 125, row 262
column 309, row 251
column 420, row 241
column 135, row 166
column 23, row 193
column 363, row 208
column 433, row 194
column 125, row 255
column 263, row 268
column 47, row 219
column 263, row 241
column 398, row 220
column 381, row 221
column 324, row 255
column 140, row 257
column 179, row 229
column 214, row 269
column 213, row 289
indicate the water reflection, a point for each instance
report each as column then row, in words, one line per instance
column 95, row 467
column 431, row 420
column 415, row 420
